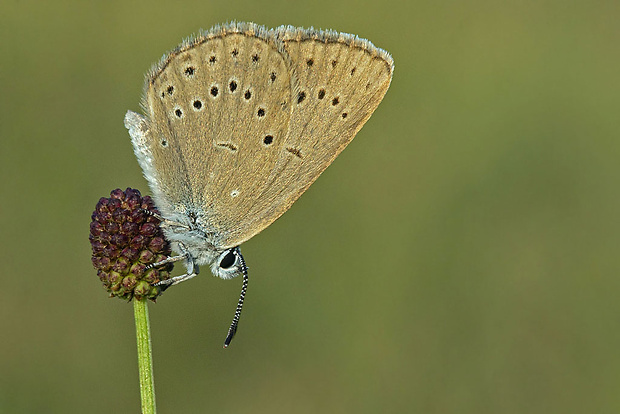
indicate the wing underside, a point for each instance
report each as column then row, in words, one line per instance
column 241, row 120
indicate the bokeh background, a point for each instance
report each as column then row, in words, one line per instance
column 461, row 256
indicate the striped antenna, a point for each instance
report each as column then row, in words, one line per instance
column 233, row 326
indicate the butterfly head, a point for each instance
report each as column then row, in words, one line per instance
column 229, row 264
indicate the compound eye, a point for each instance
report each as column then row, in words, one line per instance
column 228, row 260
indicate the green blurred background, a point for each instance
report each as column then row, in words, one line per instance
column 461, row 256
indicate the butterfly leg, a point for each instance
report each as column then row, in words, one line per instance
column 192, row 268
column 165, row 221
column 166, row 261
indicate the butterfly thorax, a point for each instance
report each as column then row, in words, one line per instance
column 194, row 239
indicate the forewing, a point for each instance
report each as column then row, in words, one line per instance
column 219, row 109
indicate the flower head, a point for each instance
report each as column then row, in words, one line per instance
column 126, row 240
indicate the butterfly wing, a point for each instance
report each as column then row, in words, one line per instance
column 241, row 120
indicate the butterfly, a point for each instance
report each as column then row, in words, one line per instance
column 238, row 122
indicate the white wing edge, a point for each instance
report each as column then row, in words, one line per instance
column 137, row 126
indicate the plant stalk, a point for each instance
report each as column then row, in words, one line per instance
column 145, row 356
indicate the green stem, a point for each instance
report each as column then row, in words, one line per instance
column 145, row 359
